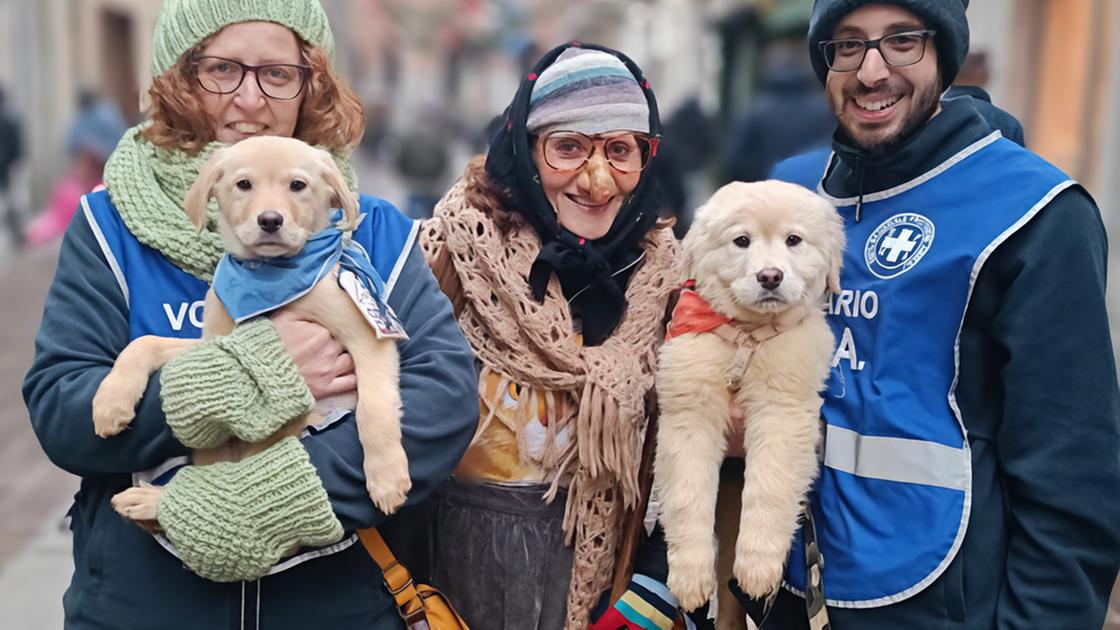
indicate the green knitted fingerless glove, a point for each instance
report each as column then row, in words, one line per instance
column 233, row 521
column 243, row 384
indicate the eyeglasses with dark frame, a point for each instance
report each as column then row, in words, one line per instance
column 626, row 151
column 897, row 49
column 281, row 81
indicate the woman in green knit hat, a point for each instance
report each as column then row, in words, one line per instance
column 268, row 541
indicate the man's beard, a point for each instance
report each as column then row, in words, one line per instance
column 925, row 104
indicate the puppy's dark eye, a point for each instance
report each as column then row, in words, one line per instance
column 742, row 241
column 297, row 185
column 793, row 240
column 244, row 184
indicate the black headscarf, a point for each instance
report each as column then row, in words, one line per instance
column 587, row 269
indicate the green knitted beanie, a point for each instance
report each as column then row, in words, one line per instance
column 184, row 23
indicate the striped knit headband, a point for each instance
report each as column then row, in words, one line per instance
column 588, row 91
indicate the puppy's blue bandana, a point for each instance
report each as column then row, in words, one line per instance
column 250, row 288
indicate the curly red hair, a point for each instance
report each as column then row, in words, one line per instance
column 331, row 115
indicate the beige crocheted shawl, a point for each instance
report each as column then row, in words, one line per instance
column 484, row 264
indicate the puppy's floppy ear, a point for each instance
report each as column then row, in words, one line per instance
column 836, row 262
column 341, row 195
column 198, row 197
column 835, row 248
column 692, row 240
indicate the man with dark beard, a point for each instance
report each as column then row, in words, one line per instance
column 972, row 423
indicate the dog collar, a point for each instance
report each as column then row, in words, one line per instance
column 250, row 288
column 693, row 314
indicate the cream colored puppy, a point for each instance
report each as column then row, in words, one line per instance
column 274, row 194
column 753, row 336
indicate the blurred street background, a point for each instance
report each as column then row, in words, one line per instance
column 731, row 76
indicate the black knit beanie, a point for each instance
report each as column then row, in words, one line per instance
column 947, row 17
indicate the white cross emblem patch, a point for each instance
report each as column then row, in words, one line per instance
column 898, row 244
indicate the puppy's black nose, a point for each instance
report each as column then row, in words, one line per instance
column 270, row 221
column 770, row 278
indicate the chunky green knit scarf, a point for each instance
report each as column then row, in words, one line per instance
column 148, row 185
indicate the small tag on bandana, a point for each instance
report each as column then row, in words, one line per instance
column 379, row 314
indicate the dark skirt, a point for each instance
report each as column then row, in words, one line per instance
column 499, row 555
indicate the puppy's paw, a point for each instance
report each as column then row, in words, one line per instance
column 114, row 404
column 692, row 579
column 759, row 574
column 387, row 479
column 138, row 504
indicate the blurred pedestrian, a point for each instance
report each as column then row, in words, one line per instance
column 90, row 139
column 686, row 151
column 424, row 160
column 972, row 453
column 267, row 541
column 560, row 271
column 11, row 152
column 788, row 116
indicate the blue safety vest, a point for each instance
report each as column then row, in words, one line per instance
column 167, row 301
column 893, row 499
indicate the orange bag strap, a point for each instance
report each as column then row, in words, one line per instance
column 396, row 578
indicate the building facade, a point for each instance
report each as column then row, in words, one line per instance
column 1055, row 64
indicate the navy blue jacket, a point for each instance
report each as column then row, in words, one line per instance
column 122, row 577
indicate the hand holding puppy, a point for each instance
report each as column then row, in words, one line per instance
column 322, row 361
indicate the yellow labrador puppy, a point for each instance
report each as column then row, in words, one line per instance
column 274, row 194
column 748, row 335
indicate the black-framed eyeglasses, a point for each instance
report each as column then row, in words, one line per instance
column 281, row 81
column 897, row 49
column 626, row 151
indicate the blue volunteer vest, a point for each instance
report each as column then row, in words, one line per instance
column 893, row 499
column 167, row 301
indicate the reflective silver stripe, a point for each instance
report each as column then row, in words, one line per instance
column 105, row 249
column 914, row 183
column 391, row 281
column 896, row 459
